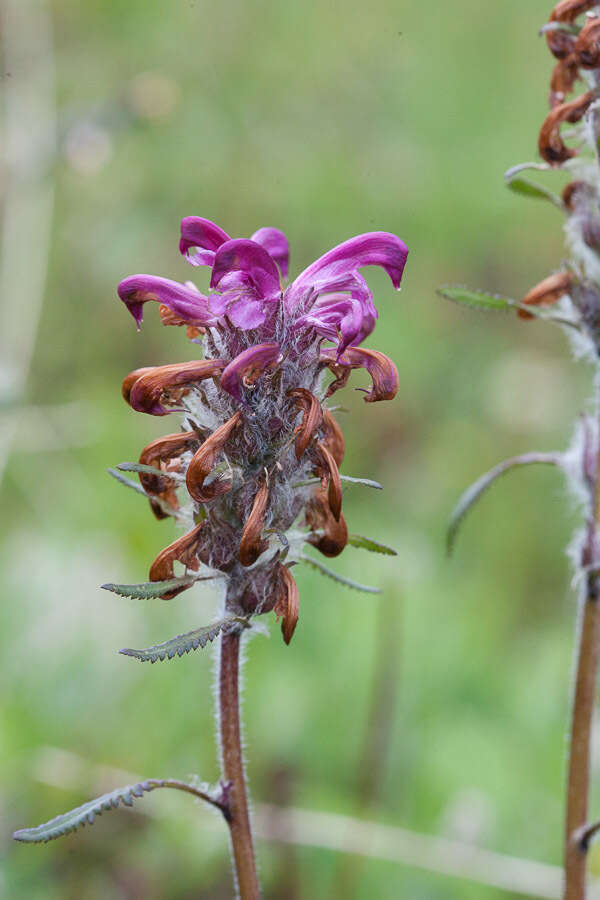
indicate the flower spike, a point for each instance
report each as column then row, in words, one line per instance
column 256, row 429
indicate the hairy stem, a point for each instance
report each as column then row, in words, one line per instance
column 586, row 670
column 233, row 769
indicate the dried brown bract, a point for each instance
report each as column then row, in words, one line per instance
column 183, row 550
column 168, row 317
column 288, row 604
column 251, row 544
column 311, row 420
column 587, row 46
column 564, row 76
column 333, row 437
column 550, row 143
column 158, row 453
column 203, row 463
column 548, row 291
column 331, row 472
column 130, row 380
column 320, row 518
column 150, row 390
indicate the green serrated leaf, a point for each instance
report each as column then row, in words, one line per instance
column 474, row 492
column 84, row 815
column 476, row 299
column 366, row 482
column 365, row 543
column 347, row 582
column 529, row 188
column 122, row 479
column 183, row 643
column 151, row 590
column 147, row 470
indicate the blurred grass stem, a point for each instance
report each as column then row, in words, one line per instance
column 586, row 672
column 232, row 762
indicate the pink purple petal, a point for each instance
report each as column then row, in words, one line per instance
column 276, row 244
column 200, row 239
column 248, row 366
column 251, row 260
column 186, row 302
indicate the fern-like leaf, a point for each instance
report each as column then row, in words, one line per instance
column 86, row 814
column 149, row 590
column 477, row 299
column 347, row 582
column 366, row 482
column 184, row 643
column 365, row 543
column 475, row 491
column 147, row 470
column 529, row 188
column 122, row 479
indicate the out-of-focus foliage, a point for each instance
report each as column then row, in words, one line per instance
column 324, row 119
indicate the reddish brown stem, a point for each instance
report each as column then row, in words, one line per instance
column 586, row 672
column 233, row 769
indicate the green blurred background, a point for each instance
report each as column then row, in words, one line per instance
column 325, row 119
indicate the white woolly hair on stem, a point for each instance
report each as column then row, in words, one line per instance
column 229, row 658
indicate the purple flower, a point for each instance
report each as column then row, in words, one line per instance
column 329, row 299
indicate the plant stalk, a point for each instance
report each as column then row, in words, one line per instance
column 232, row 763
column 586, row 672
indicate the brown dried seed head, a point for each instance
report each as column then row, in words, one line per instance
column 288, row 604
column 251, row 544
column 333, row 438
column 548, row 291
column 334, row 490
column 175, row 379
column 203, row 462
column 311, row 420
column 587, row 45
column 550, row 143
column 183, row 550
column 130, row 380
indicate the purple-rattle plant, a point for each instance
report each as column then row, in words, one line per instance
column 252, row 475
column 574, row 292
